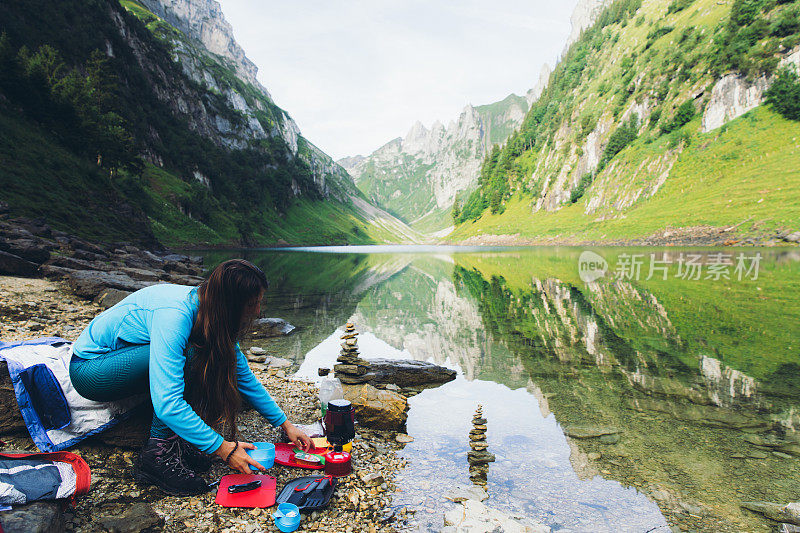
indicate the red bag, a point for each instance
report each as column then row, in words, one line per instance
column 44, row 476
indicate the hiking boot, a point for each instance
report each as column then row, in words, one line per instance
column 193, row 458
column 160, row 463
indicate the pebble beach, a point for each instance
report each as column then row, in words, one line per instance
column 31, row 308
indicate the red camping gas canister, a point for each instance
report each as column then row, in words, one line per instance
column 339, row 429
column 338, row 464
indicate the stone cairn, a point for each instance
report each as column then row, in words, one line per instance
column 351, row 369
column 478, row 457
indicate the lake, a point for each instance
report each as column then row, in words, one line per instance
column 625, row 389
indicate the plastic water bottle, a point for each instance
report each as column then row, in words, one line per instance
column 329, row 389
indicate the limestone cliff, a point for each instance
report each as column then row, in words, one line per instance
column 584, row 15
column 209, row 54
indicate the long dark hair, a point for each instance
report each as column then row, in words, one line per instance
column 227, row 299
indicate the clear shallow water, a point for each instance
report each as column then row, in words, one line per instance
column 699, row 378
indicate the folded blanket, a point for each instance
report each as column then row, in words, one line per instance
column 56, row 416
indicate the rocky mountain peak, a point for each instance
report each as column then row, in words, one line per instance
column 203, row 21
column 541, row 85
column 584, row 15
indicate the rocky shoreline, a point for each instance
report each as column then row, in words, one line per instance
column 38, row 307
column 689, row 236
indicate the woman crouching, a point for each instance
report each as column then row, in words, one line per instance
column 181, row 343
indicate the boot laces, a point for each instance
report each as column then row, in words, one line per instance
column 169, row 450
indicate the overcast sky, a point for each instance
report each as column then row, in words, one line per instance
column 355, row 74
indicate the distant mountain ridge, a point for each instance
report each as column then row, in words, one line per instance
column 421, row 176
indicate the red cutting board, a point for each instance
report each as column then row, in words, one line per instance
column 284, row 455
column 264, row 496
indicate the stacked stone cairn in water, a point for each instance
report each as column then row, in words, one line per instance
column 478, row 457
column 351, row 369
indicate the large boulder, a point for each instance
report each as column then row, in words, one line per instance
column 110, row 297
column 472, row 516
column 36, row 517
column 132, row 432
column 10, row 418
column 409, row 373
column 74, row 263
column 33, row 250
column 271, row 327
column 89, row 284
column 377, row 409
column 789, row 513
column 138, row 518
column 16, row 266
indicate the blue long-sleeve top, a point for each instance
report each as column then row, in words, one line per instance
column 162, row 316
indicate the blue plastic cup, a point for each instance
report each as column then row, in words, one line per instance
column 287, row 517
column 264, row 454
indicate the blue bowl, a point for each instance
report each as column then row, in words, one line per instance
column 264, row 454
column 287, row 523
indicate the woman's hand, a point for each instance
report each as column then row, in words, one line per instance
column 239, row 460
column 296, row 436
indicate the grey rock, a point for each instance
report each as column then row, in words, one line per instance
column 409, row 373
column 610, row 439
column 372, row 479
column 348, row 379
column 183, row 279
column 792, row 237
column 355, row 370
column 461, row 493
column 138, row 518
column 589, row 432
column 480, row 458
column 271, row 327
column 775, row 511
column 10, row 418
column 278, row 362
column 35, row 251
column 79, row 244
column 89, row 284
column 256, row 350
column 74, row 263
column 110, row 297
column 144, row 274
column 89, row 256
column 36, row 517
column 34, row 227
column 55, row 272
column 473, row 516
column 16, row 266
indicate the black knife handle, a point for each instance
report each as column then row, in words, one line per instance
column 244, row 487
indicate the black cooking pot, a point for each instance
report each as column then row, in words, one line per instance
column 340, row 422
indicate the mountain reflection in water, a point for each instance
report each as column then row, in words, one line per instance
column 695, row 383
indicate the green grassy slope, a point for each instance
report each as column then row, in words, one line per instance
column 633, row 90
column 748, row 172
